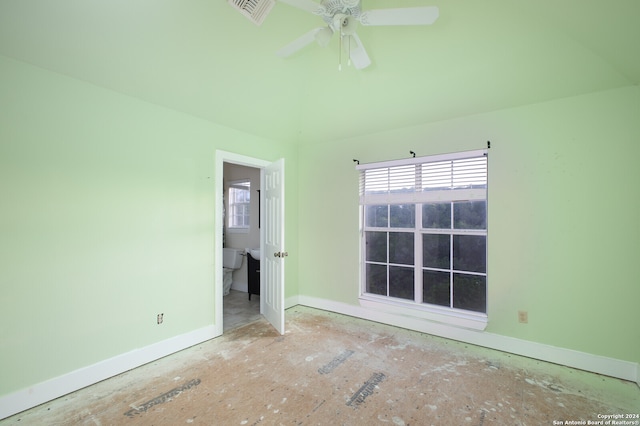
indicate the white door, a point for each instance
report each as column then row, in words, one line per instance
column 273, row 255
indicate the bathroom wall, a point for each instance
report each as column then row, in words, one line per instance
column 243, row 240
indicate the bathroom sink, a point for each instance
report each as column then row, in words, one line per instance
column 255, row 254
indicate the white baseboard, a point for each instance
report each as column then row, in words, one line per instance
column 581, row 360
column 290, row 302
column 51, row 389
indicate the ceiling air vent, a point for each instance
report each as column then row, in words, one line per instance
column 255, row 10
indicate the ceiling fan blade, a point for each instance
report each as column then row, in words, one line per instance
column 307, row 5
column 357, row 53
column 400, row 16
column 298, row 43
column 323, row 37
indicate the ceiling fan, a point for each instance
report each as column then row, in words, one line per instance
column 342, row 16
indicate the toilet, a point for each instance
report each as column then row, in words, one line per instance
column 231, row 260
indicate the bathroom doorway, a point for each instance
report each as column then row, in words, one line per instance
column 241, row 244
column 270, row 218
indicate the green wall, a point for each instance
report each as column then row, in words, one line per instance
column 106, row 220
column 108, row 204
column 564, row 203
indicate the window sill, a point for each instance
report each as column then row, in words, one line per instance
column 464, row 319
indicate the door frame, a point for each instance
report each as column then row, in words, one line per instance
column 242, row 160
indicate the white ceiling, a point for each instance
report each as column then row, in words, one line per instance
column 204, row 58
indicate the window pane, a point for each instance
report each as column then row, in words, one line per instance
column 376, row 279
column 401, row 282
column 470, row 253
column 401, row 248
column 436, row 215
column 239, row 204
column 377, row 216
column 470, row 215
column 403, row 215
column 470, row 292
column 449, row 232
column 436, row 251
column 435, row 288
column 239, row 195
column 376, row 246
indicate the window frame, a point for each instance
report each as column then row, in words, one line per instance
column 416, row 307
column 232, row 225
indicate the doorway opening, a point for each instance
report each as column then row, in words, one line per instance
column 268, row 273
column 241, row 245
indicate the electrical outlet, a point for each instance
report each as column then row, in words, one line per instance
column 160, row 318
column 523, row 317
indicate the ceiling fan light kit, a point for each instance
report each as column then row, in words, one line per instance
column 346, row 23
column 342, row 17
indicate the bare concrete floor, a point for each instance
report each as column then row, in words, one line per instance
column 329, row 369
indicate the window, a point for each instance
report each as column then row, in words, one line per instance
column 239, row 204
column 424, row 236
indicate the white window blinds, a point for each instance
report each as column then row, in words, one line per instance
column 450, row 177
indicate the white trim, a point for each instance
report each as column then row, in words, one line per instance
column 429, row 158
column 292, row 301
column 70, row 382
column 581, row 360
column 448, row 316
column 468, row 194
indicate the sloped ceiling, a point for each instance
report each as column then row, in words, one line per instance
column 204, row 58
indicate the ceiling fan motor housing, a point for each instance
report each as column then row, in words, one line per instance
column 346, row 24
column 345, row 7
